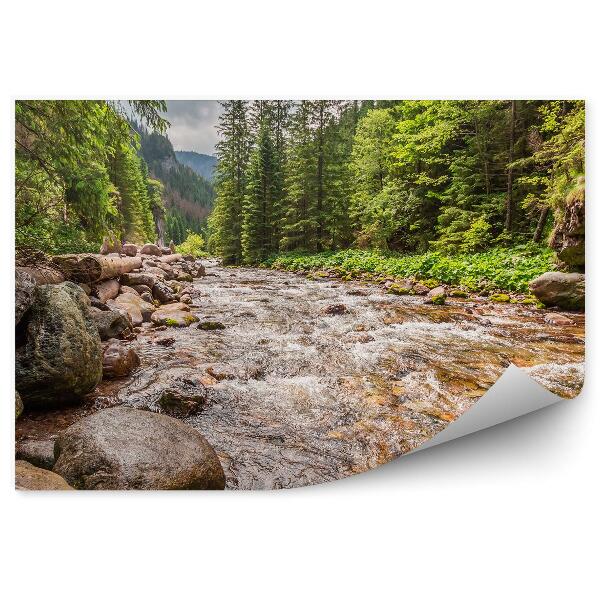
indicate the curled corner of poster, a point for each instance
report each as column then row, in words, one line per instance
column 513, row 395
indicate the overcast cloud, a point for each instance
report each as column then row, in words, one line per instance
column 193, row 124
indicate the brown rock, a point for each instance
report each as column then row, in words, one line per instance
column 151, row 249
column 39, row 453
column 118, row 360
column 139, row 310
column 106, row 290
column 558, row 319
column 174, row 315
column 130, row 249
column 28, row 477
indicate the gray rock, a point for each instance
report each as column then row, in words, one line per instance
column 39, row 453
column 29, row 477
column 125, row 448
column 163, row 293
column 111, row 323
column 566, row 290
column 24, row 293
column 140, row 289
column 147, row 297
column 59, row 358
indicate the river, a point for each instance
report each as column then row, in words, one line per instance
column 296, row 395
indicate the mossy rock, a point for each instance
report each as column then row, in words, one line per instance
column 459, row 294
column 438, row 299
column 398, row 290
column 500, row 298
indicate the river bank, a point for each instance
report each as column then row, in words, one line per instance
column 307, row 381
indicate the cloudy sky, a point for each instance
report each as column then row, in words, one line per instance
column 193, row 124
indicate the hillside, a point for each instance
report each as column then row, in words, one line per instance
column 188, row 197
column 203, row 164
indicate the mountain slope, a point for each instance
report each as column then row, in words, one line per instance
column 203, row 164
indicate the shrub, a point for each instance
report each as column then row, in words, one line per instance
column 193, row 244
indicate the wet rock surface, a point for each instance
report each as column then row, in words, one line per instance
column 565, row 290
column 124, row 448
column 118, row 360
column 291, row 397
column 39, row 453
column 58, row 356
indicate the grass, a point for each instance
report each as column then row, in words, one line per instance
column 498, row 269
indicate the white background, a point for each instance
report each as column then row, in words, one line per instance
column 507, row 513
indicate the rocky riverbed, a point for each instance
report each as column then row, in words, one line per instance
column 295, row 381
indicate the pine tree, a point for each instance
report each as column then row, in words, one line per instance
column 233, row 151
column 261, row 203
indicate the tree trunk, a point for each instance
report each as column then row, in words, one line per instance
column 89, row 268
column 539, row 230
column 508, row 223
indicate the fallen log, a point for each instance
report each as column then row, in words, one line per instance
column 89, row 268
column 43, row 274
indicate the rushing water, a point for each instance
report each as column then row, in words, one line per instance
column 298, row 396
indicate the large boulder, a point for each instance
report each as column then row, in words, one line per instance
column 59, row 356
column 151, row 250
column 28, row 477
column 138, row 309
column 24, row 293
column 566, row 290
column 125, row 448
column 118, row 360
column 175, row 315
column 111, row 323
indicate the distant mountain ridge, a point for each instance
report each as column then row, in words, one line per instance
column 203, row 164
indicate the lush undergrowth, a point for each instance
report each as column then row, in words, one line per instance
column 509, row 269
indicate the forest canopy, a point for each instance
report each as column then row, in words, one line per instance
column 409, row 176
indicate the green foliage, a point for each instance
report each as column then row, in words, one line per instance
column 499, row 268
column 78, row 177
column 193, row 244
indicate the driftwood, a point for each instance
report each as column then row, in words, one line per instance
column 43, row 274
column 89, row 268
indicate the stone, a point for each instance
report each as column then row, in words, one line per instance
column 149, row 263
column 568, row 235
column 440, row 290
column 398, row 289
column 210, row 325
column 558, row 319
column 180, row 402
column 419, row 289
column 147, row 297
column 151, row 249
column 29, row 477
column 565, row 290
column 140, row 289
column 130, row 249
column 95, row 303
column 163, row 293
column 124, row 448
column 111, row 323
column 86, row 287
column 185, row 277
column 335, row 309
column 118, row 360
column 18, row 405
column 168, row 341
column 24, row 293
column 158, row 273
column 500, row 298
column 185, row 298
column 200, row 269
column 106, row 290
column 172, row 246
column 138, row 309
column 136, row 279
column 125, row 289
column 40, row 453
column 59, row 357
column 166, row 250
column 174, row 315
